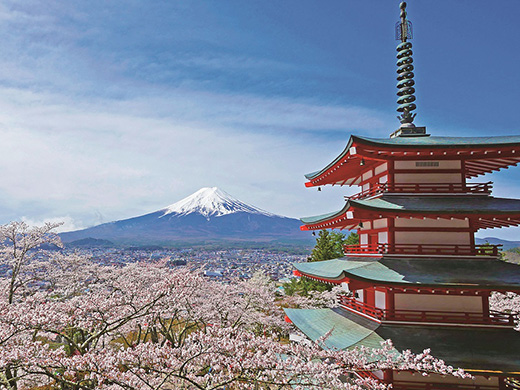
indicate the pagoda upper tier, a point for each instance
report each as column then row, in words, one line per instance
column 474, row 156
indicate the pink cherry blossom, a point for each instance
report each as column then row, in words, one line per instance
column 145, row 326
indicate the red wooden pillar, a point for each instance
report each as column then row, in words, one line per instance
column 391, row 178
column 388, row 376
column 391, row 233
column 485, row 304
column 463, row 173
column 472, row 231
column 502, row 383
column 369, row 295
column 389, row 303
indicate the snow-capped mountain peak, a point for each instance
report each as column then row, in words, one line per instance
column 211, row 202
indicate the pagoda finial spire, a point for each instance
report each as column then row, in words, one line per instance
column 405, row 73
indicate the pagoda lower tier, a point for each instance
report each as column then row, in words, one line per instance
column 420, row 302
column 420, row 225
column 431, row 290
column 489, row 354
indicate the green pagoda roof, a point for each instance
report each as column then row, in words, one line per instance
column 348, row 330
column 429, row 143
column 479, row 349
column 460, row 204
column 442, row 142
column 466, row 205
column 426, row 272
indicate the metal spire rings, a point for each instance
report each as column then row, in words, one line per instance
column 405, row 68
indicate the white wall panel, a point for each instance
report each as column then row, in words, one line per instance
column 367, row 175
column 381, row 168
column 433, row 223
column 405, row 178
column 382, row 237
column 380, row 299
column 449, row 238
column 431, row 302
column 380, row 223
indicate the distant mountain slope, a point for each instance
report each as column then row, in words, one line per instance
column 208, row 216
column 497, row 241
column 91, row 242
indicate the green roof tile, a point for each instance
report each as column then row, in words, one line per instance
column 484, row 349
column 322, row 217
column 466, row 205
column 442, row 141
column 331, row 268
column 432, row 271
column 347, row 329
column 469, row 204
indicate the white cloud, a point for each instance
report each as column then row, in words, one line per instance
column 120, row 158
column 67, row 223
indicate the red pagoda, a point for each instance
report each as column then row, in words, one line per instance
column 417, row 277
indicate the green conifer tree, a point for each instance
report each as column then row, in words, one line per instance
column 329, row 245
column 352, row 239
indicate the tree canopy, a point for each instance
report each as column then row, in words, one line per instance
column 303, row 286
column 143, row 326
column 329, row 245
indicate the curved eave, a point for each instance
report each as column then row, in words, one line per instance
column 485, row 212
column 332, row 270
column 481, row 155
column 466, row 205
column 346, row 169
column 336, row 161
column 342, row 219
column 416, row 273
column 360, row 282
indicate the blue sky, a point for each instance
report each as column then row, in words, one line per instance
column 111, row 109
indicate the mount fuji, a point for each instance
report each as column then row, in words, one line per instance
column 208, row 216
column 212, row 202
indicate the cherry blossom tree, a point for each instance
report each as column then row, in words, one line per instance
column 508, row 302
column 18, row 243
column 146, row 326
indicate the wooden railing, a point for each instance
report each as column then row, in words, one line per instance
column 425, row 188
column 374, row 191
column 367, row 375
column 363, row 249
column 494, row 317
column 424, row 249
column 361, row 307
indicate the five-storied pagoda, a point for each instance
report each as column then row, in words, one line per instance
column 417, row 276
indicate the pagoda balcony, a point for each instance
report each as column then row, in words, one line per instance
column 494, row 318
column 424, row 188
column 423, row 249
